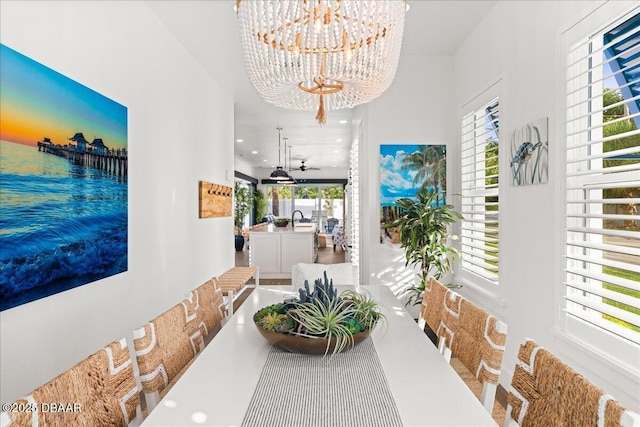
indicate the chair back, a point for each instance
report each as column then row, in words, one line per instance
column 545, row 391
column 341, row 274
column 165, row 346
column 479, row 342
column 331, row 223
column 210, row 306
column 477, row 339
column 432, row 308
column 474, row 336
column 99, row 391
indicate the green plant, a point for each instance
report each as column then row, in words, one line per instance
column 241, row 205
column 323, row 292
column 261, row 204
column 270, row 309
column 325, row 321
column 271, row 321
column 367, row 310
column 323, row 314
column 423, row 230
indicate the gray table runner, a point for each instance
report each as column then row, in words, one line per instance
column 301, row 390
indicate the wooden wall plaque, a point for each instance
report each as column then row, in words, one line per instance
column 215, row 200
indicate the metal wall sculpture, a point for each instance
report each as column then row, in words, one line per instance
column 530, row 153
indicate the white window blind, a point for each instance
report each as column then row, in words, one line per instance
column 480, row 179
column 602, row 245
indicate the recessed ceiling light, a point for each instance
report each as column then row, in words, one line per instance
column 239, row 140
column 342, row 122
column 339, row 140
column 264, row 160
column 335, row 166
column 254, row 152
column 336, row 151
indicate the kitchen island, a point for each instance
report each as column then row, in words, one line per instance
column 276, row 249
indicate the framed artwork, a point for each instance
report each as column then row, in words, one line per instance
column 530, row 153
column 63, row 182
column 403, row 170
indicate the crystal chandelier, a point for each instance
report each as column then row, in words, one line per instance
column 321, row 54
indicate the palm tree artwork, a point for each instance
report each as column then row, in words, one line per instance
column 431, row 165
column 405, row 169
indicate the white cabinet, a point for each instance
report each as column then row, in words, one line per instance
column 276, row 252
column 295, row 248
column 265, row 252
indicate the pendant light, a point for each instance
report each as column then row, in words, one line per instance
column 279, row 174
column 291, row 182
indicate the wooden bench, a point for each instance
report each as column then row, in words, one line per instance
column 235, row 281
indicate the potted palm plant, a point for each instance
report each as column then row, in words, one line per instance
column 243, row 198
column 423, row 233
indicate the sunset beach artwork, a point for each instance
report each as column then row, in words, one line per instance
column 63, row 182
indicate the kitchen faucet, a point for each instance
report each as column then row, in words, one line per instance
column 293, row 224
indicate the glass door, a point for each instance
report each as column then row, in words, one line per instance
column 332, row 202
column 322, row 205
column 279, row 201
column 306, row 201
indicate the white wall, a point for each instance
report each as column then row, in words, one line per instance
column 523, row 39
column 243, row 166
column 418, row 108
column 180, row 126
column 517, row 44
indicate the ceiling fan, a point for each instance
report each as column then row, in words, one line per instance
column 304, row 167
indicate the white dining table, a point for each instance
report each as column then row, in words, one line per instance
column 218, row 387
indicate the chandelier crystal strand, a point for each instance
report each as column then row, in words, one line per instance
column 321, row 54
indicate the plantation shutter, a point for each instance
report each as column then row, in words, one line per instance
column 480, row 179
column 602, row 284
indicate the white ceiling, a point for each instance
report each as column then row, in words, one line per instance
column 209, row 31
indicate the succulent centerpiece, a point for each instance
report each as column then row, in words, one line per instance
column 319, row 321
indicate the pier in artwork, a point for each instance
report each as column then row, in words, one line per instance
column 93, row 154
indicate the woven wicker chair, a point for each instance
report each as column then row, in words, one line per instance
column 99, row 391
column 546, row 392
column 476, row 338
column 166, row 347
column 211, row 308
column 432, row 312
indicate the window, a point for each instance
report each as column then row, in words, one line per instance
column 480, row 181
column 602, row 245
